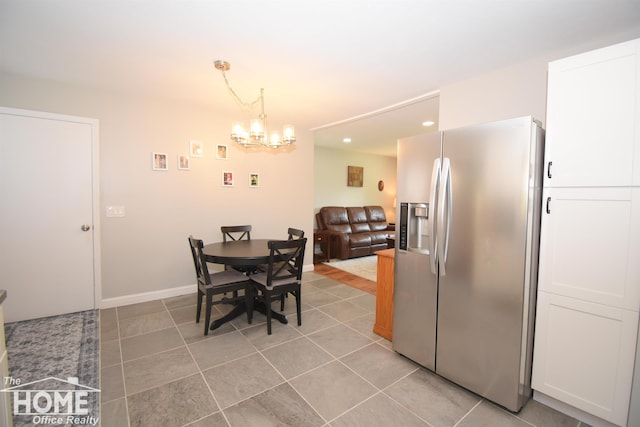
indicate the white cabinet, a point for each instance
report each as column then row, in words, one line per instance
column 590, row 245
column 586, row 357
column 589, row 276
column 593, row 113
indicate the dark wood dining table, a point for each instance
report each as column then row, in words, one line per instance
column 240, row 253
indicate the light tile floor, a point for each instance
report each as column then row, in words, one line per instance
column 157, row 368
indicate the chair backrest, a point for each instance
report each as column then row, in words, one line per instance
column 295, row 233
column 235, row 232
column 286, row 258
column 199, row 261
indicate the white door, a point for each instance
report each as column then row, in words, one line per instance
column 47, row 223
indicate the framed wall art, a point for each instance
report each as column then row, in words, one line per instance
column 221, row 152
column 195, row 149
column 354, row 176
column 159, row 161
column 183, row 162
column 227, row 179
column 254, row 180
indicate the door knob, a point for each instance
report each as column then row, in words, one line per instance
column 85, row 227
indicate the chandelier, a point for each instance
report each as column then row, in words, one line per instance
column 256, row 134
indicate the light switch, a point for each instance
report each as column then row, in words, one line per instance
column 115, row 211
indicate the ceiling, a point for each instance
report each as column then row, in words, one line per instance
column 320, row 62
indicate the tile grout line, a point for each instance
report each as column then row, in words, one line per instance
column 199, row 371
column 124, row 383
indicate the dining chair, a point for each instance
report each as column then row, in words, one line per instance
column 294, row 233
column 283, row 275
column 210, row 284
column 235, row 232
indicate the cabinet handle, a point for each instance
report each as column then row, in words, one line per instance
column 548, row 205
column 549, row 169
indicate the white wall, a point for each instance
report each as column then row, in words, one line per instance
column 147, row 250
column 330, row 180
column 520, row 90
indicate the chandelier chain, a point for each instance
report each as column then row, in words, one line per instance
column 246, row 105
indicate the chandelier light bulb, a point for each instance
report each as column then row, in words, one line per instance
column 288, row 134
column 256, row 130
column 238, row 134
column 274, row 141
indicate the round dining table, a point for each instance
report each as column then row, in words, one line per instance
column 240, row 253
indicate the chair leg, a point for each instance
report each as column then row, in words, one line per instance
column 249, row 302
column 267, row 301
column 199, row 308
column 282, row 301
column 298, row 296
column 207, row 312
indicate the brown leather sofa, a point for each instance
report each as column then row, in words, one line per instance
column 355, row 231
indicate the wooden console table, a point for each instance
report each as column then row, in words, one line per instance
column 322, row 239
column 384, row 294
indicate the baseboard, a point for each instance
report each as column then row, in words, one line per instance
column 147, row 296
column 155, row 295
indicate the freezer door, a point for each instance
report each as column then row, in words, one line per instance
column 415, row 308
column 481, row 297
column 415, row 287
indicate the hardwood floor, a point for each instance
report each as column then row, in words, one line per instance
column 345, row 277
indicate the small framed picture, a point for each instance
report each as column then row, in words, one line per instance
column 159, row 161
column 254, row 180
column 227, row 179
column 221, row 152
column 183, row 162
column 354, row 176
column 195, row 148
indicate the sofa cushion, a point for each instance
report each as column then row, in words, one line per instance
column 358, row 219
column 357, row 240
column 335, row 218
column 379, row 237
column 376, row 218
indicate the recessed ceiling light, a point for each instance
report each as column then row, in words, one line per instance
column 346, row 140
column 428, row 123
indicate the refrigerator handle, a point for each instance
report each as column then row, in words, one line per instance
column 433, row 199
column 444, row 207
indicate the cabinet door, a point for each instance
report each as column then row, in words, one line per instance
column 592, row 118
column 584, row 355
column 590, row 245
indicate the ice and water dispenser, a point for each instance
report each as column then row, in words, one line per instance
column 414, row 227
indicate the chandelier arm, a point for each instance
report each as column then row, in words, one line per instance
column 247, row 105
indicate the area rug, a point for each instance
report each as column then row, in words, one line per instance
column 51, row 352
column 365, row 267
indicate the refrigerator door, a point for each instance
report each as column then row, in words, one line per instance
column 481, row 297
column 415, row 287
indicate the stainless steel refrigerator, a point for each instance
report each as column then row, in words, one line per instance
column 469, row 203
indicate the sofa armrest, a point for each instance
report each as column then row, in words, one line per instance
column 339, row 244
